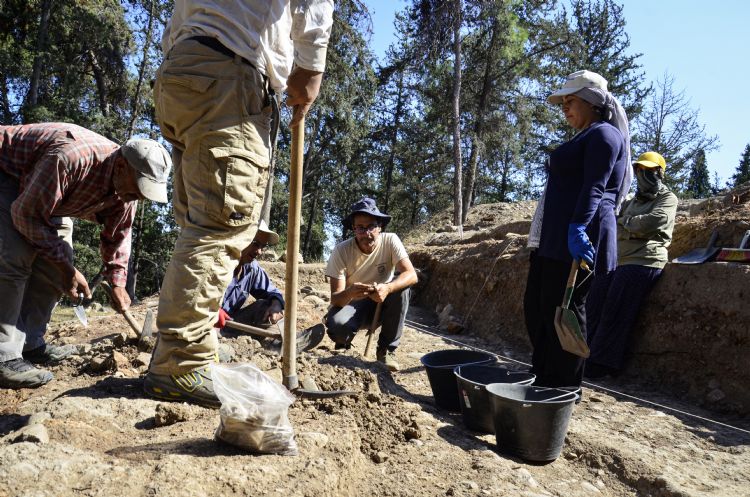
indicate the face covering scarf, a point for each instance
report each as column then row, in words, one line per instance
column 649, row 183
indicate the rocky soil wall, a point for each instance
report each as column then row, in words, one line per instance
column 692, row 338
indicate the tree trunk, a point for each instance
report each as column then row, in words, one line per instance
column 134, row 108
column 477, row 138
column 311, row 220
column 135, row 255
column 394, row 140
column 100, row 83
column 41, row 42
column 7, row 115
column 457, row 200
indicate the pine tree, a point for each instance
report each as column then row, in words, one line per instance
column 699, row 181
column 742, row 174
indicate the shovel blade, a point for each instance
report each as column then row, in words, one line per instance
column 570, row 324
column 81, row 315
column 697, row 256
column 569, row 333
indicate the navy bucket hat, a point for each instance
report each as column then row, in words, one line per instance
column 365, row 205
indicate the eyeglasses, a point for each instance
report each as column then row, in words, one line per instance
column 259, row 245
column 366, row 229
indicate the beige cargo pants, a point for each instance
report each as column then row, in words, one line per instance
column 215, row 110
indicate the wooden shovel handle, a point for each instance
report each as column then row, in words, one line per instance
column 570, row 286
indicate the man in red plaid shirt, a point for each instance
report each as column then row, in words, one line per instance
column 50, row 173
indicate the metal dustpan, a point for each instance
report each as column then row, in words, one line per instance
column 740, row 254
column 701, row 255
column 566, row 323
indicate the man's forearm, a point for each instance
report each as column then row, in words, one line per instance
column 404, row 280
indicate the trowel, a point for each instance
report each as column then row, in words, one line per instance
column 566, row 323
column 80, row 311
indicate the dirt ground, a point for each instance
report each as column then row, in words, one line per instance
column 91, row 431
column 105, row 438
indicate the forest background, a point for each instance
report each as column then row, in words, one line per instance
column 453, row 115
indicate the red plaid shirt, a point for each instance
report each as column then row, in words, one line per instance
column 65, row 170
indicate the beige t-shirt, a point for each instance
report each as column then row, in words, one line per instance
column 349, row 262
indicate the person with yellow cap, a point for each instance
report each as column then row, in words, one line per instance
column 644, row 231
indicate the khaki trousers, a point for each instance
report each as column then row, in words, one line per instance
column 29, row 284
column 215, row 110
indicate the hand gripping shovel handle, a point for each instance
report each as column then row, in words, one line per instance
column 373, row 327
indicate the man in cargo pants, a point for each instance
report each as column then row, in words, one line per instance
column 214, row 96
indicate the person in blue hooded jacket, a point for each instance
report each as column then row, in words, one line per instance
column 588, row 176
column 267, row 309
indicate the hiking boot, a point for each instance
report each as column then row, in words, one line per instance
column 49, row 354
column 343, row 346
column 388, row 357
column 20, row 373
column 195, row 387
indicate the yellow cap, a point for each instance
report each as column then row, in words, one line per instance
column 651, row 160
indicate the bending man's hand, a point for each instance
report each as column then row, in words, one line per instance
column 73, row 283
column 120, row 298
column 302, row 89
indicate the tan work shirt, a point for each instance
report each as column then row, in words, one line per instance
column 349, row 262
column 270, row 34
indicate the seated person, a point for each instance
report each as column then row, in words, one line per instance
column 249, row 279
column 644, row 231
column 361, row 273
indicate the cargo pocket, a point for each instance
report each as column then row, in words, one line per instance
column 236, row 181
column 172, row 92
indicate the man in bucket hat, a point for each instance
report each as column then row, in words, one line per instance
column 267, row 311
column 49, row 173
column 361, row 273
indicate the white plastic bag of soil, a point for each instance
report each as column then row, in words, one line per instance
column 253, row 410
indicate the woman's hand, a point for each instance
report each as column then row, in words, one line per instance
column 579, row 244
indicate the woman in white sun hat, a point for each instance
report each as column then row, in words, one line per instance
column 588, row 176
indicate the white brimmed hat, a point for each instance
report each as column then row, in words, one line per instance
column 152, row 163
column 577, row 81
column 273, row 237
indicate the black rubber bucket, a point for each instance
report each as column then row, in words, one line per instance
column 531, row 422
column 439, row 366
column 476, row 407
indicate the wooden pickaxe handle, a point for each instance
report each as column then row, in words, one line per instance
column 373, row 327
column 126, row 314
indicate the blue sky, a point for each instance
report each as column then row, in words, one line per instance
column 703, row 45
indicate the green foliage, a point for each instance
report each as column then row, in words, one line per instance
column 742, row 173
column 699, row 180
column 385, row 131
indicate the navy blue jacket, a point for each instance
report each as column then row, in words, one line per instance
column 251, row 279
column 585, row 174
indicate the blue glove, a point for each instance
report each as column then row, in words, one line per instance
column 579, row 245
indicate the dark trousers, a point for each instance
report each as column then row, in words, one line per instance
column 545, row 287
column 344, row 322
column 613, row 307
